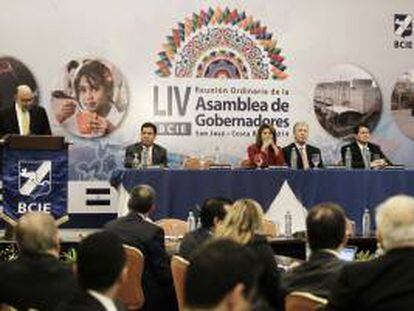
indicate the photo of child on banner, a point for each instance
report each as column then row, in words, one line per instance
column 93, row 99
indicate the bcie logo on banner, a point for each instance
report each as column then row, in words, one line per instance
column 403, row 27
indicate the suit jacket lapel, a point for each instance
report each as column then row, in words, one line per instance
column 358, row 152
column 32, row 115
column 155, row 154
column 300, row 162
column 13, row 121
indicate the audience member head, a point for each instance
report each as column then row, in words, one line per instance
column 301, row 132
column 148, row 134
column 264, row 133
column 213, row 211
column 395, row 222
column 142, row 199
column 37, row 233
column 326, row 226
column 101, row 262
column 24, row 96
column 242, row 221
column 221, row 276
column 362, row 133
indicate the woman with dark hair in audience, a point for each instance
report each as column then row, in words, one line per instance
column 243, row 223
column 265, row 152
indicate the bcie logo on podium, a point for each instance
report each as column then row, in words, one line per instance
column 35, row 181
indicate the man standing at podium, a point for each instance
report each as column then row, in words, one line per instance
column 23, row 117
column 146, row 152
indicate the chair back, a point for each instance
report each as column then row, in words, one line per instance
column 303, row 301
column 192, row 163
column 179, row 270
column 269, row 228
column 246, row 163
column 173, row 227
column 130, row 292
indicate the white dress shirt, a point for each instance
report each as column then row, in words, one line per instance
column 149, row 149
column 106, row 302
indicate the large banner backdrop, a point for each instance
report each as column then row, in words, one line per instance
column 210, row 72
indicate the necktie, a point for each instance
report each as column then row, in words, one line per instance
column 367, row 157
column 304, row 158
column 146, row 160
column 25, row 123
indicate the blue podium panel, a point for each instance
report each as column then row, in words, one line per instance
column 34, row 180
column 178, row 191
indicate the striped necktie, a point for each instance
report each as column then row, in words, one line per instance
column 304, row 158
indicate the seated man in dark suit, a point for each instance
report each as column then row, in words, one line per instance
column 363, row 153
column 137, row 230
column 212, row 213
column 222, row 276
column 308, row 156
column 146, row 152
column 325, row 226
column 37, row 279
column 23, row 117
column 387, row 282
column 101, row 269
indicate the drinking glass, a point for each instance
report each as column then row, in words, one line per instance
column 316, row 159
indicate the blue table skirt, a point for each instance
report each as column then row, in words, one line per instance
column 178, row 191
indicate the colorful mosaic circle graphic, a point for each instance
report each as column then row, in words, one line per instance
column 221, row 44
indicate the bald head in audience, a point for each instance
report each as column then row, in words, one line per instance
column 395, row 222
column 37, row 233
column 142, row 199
column 326, row 226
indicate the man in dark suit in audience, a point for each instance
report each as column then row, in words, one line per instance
column 325, row 226
column 223, row 275
column 99, row 279
column 306, row 154
column 157, row 155
column 363, row 153
column 387, row 282
column 212, row 213
column 137, row 230
column 23, row 117
column 37, row 279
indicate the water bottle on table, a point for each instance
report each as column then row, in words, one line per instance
column 348, row 158
column 136, row 163
column 366, row 223
column 216, row 155
column 191, row 221
column 288, row 224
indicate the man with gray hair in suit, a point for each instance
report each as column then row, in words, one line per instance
column 387, row 282
column 36, row 279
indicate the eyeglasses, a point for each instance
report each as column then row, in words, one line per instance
column 27, row 100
